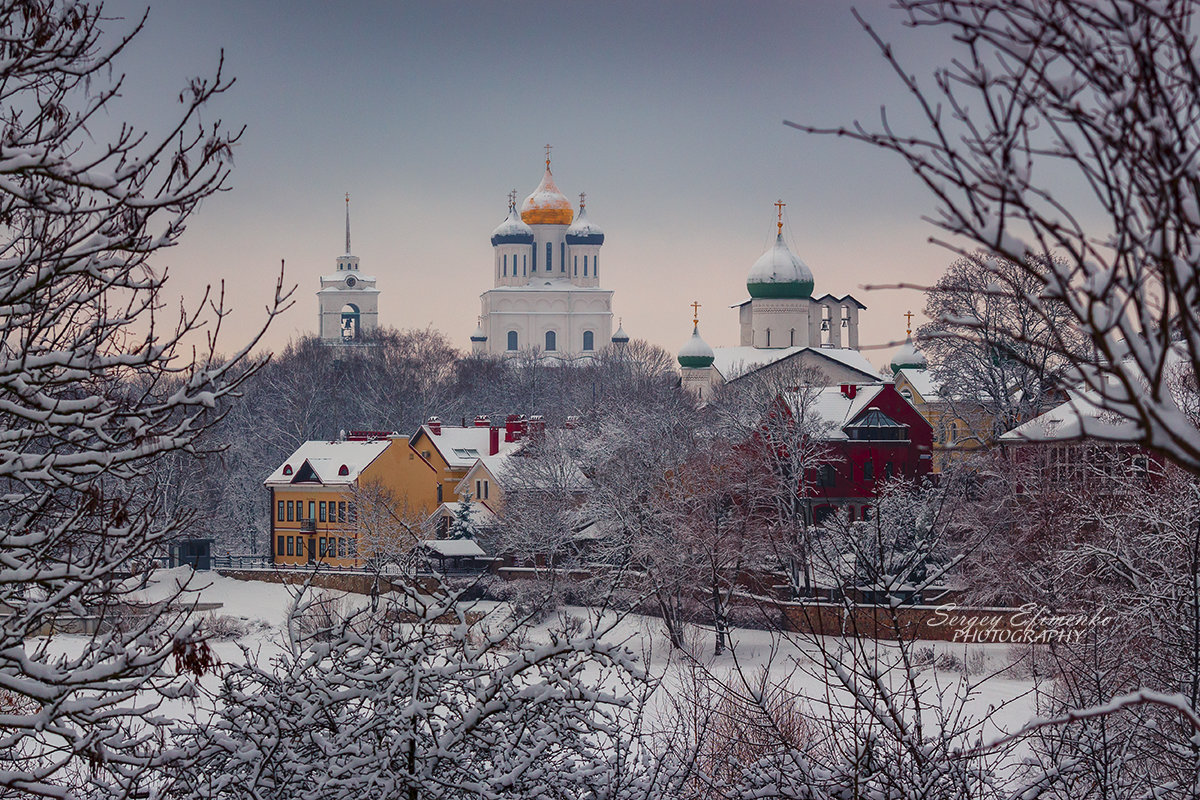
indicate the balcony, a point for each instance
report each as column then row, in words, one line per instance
column 308, row 525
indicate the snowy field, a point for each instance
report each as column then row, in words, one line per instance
column 949, row 671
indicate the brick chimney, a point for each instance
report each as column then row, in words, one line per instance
column 482, row 421
column 435, row 425
column 849, row 390
column 513, row 428
column 537, row 425
column 493, row 441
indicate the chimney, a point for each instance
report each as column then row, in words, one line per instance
column 849, row 390
column 537, row 425
column 482, row 421
column 572, row 421
column 493, row 441
column 435, row 425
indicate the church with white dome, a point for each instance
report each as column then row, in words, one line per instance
column 546, row 296
column 781, row 321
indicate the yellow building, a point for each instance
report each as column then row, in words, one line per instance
column 957, row 427
column 344, row 502
column 453, row 450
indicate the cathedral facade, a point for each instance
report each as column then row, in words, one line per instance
column 546, row 296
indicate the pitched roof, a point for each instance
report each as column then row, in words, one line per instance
column 1077, row 417
column 734, row 362
column 460, row 447
column 923, row 382
column 322, row 462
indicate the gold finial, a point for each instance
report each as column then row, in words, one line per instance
column 582, row 200
column 512, row 200
column 909, row 315
column 779, row 204
column 548, row 156
column 695, row 312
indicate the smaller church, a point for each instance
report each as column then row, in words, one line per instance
column 348, row 299
column 781, row 321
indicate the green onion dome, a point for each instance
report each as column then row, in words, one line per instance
column 908, row 357
column 695, row 353
column 778, row 273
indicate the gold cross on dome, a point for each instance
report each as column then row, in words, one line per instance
column 512, row 200
column 779, row 204
column 909, row 315
column 695, row 312
column 582, row 200
column 347, row 198
column 548, row 156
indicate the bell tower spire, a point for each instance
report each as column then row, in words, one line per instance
column 347, row 223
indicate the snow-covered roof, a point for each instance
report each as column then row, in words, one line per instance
column 326, row 460
column 923, row 382
column 462, row 446
column 733, row 362
column 1078, row 416
column 834, row 407
column 450, row 548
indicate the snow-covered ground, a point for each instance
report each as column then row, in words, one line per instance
column 258, row 610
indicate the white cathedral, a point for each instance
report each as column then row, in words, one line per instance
column 547, row 296
column 348, row 300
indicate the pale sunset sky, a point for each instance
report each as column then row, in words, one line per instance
column 669, row 115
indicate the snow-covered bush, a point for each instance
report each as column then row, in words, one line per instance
column 424, row 708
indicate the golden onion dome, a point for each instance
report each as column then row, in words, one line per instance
column 547, row 205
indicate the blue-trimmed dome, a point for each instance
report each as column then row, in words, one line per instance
column 695, row 353
column 778, row 273
column 479, row 335
column 584, row 231
column 512, row 231
column 620, row 337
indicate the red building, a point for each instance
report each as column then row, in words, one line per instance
column 867, row 433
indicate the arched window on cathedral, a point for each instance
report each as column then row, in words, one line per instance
column 524, row 264
column 512, row 340
column 792, row 338
column 589, row 340
column 551, row 340
column 596, row 266
column 506, row 265
column 549, row 257
column 533, row 266
column 562, row 257
column 768, row 337
column 575, row 265
column 585, row 266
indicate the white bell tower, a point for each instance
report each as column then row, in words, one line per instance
column 348, row 300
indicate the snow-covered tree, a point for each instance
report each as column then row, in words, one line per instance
column 990, row 347
column 772, row 415
column 463, row 526
column 100, row 380
column 416, row 696
column 1061, row 139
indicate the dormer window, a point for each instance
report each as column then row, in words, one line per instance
column 343, row 470
column 287, row 469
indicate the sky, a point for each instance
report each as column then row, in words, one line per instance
column 668, row 115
